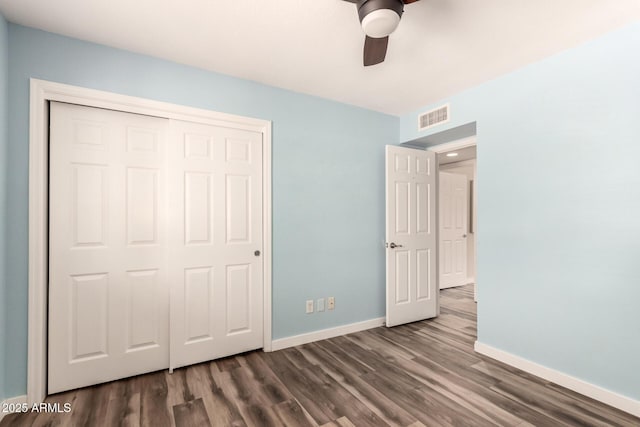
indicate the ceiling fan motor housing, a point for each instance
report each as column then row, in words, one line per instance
column 379, row 18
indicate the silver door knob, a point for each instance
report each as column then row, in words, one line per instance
column 393, row 245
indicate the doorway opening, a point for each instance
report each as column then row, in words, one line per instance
column 457, row 202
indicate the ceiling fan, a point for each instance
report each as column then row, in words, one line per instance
column 378, row 18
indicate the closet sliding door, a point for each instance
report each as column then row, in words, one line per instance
column 216, row 245
column 155, row 244
column 108, row 293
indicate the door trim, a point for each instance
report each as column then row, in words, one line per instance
column 41, row 93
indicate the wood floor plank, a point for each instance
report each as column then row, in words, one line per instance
column 562, row 409
column 227, row 363
column 358, row 367
column 154, row 411
column 178, row 390
column 292, row 414
column 337, row 400
column 191, row 414
column 345, row 402
column 91, row 406
column 431, row 409
column 384, row 407
column 612, row 415
column 465, row 386
column 253, row 405
column 220, row 406
column 340, row 422
column 457, row 389
column 267, row 383
column 420, row 374
column 123, row 408
column 302, row 387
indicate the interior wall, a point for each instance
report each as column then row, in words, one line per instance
column 4, row 61
column 468, row 168
column 558, row 209
column 328, row 182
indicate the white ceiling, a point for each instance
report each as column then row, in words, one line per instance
column 464, row 154
column 315, row 46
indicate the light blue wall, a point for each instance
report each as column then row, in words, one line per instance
column 4, row 61
column 328, row 192
column 559, row 209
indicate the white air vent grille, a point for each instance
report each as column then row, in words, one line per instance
column 434, row 117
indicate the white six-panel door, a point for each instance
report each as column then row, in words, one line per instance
column 155, row 247
column 411, row 235
column 216, row 262
column 454, row 220
column 108, row 295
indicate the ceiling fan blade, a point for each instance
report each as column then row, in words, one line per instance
column 407, row 1
column 375, row 50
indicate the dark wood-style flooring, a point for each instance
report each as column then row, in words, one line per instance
column 421, row 374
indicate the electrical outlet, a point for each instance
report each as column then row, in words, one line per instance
column 320, row 304
column 309, row 306
column 331, row 303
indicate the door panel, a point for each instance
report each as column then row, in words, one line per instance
column 108, row 296
column 238, row 203
column 403, row 276
column 142, row 319
column 216, row 302
column 89, row 190
column 198, row 294
column 89, row 316
column 411, row 272
column 238, row 304
column 454, row 211
column 423, row 274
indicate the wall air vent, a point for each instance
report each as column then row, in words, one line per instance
column 434, row 117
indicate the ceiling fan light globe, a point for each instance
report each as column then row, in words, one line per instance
column 380, row 23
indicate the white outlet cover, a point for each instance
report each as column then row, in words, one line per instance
column 320, row 304
column 309, row 306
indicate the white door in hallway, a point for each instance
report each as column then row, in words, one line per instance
column 108, row 295
column 411, row 257
column 216, row 258
column 454, row 223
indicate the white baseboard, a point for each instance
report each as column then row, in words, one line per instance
column 325, row 334
column 598, row 393
column 18, row 400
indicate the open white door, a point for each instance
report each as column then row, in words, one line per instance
column 454, row 224
column 411, row 235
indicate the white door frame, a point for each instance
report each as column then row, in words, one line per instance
column 41, row 93
column 443, row 148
